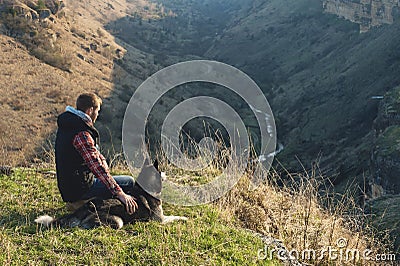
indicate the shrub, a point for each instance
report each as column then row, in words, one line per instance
column 41, row 5
column 55, row 59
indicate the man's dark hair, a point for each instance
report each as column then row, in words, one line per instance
column 87, row 100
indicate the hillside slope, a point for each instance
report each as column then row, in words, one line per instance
column 318, row 72
column 33, row 91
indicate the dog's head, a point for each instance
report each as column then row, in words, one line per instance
column 150, row 178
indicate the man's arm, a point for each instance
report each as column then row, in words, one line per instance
column 103, row 161
column 84, row 144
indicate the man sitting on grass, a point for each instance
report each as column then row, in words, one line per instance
column 82, row 171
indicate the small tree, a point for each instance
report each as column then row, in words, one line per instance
column 41, row 5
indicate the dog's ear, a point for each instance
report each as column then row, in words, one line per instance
column 149, row 178
column 146, row 161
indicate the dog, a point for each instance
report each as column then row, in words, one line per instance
column 111, row 212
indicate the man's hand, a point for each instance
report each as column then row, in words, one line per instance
column 129, row 201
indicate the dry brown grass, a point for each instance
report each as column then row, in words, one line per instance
column 300, row 214
column 35, row 91
column 299, row 209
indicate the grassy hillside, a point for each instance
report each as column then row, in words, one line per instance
column 205, row 239
column 214, row 234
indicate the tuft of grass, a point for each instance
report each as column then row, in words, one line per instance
column 41, row 5
column 205, row 239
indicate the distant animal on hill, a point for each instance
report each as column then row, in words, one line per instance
column 111, row 212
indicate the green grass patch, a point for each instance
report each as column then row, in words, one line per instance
column 388, row 143
column 205, row 239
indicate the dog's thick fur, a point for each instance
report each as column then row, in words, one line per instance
column 112, row 212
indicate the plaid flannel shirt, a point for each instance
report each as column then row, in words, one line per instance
column 84, row 144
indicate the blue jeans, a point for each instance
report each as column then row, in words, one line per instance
column 99, row 190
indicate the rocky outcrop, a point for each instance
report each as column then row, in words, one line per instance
column 386, row 152
column 30, row 10
column 25, row 11
column 55, row 6
column 367, row 13
column 389, row 111
column 386, row 163
column 44, row 13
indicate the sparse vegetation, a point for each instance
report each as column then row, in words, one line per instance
column 78, row 32
column 53, row 58
column 41, row 5
column 38, row 39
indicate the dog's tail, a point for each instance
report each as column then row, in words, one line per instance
column 170, row 219
column 45, row 220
